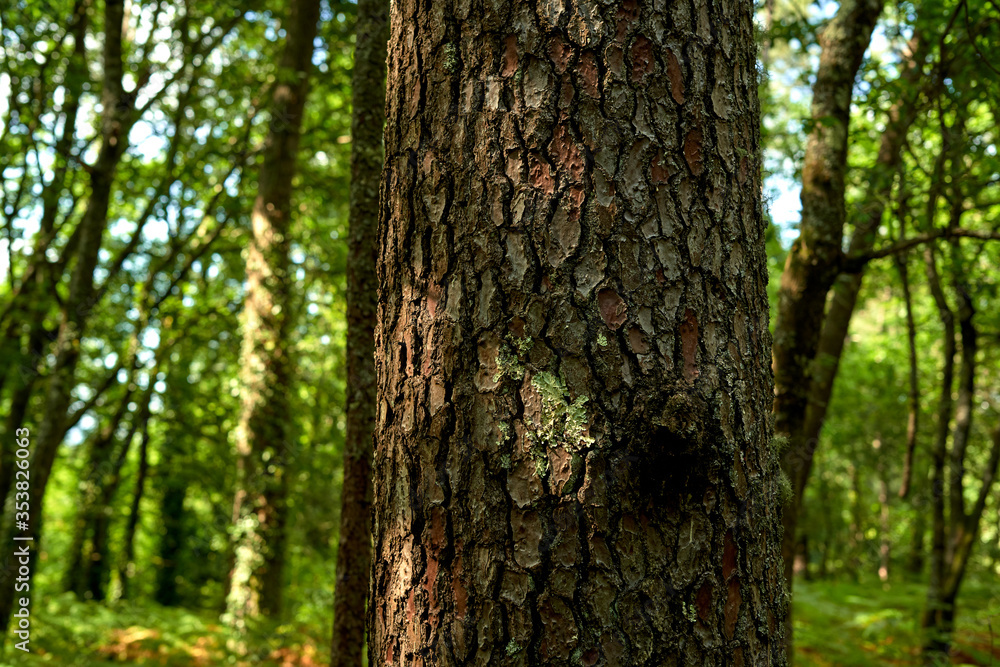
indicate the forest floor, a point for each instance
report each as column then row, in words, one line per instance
column 836, row 623
column 871, row 623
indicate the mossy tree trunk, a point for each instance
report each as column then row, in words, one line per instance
column 814, row 262
column 573, row 461
column 263, row 445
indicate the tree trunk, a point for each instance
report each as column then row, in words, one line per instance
column 126, row 567
column 78, row 303
column 814, row 259
column 936, row 603
column 354, row 550
column 32, row 305
column 98, row 568
column 885, row 535
column 172, row 537
column 856, row 534
column 913, row 396
column 915, row 559
column 572, row 460
column 262, row 439
column 99, row 457
column 802, row 558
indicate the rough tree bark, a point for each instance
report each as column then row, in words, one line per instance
column 262, row 443
column 573, row 460
column 367, row 122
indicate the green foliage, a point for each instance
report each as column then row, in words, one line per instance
column 840, row 623
column 172, row 270
column 69, row 633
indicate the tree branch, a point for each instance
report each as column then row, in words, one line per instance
column 856, row 262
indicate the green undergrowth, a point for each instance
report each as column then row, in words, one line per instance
column 836, row 623
column 69, row 633
column 871, row 623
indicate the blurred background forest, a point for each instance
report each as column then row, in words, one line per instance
column 138, row 512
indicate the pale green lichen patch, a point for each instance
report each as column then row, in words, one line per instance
column 784, row 487
column 450, row 58
column 561, row 423
column 508, row 359
column 688, row 610
column 601, row 340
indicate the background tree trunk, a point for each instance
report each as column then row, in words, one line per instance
column 262, row 443
column 572, row 459
column 936, row 603
column 367, row 122
column 78, row 304
column 126, row 562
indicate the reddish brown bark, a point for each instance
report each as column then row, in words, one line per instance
column 572, row 459
column 354, row 551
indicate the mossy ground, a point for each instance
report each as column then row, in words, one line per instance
column 69, row 633
column 871, row 623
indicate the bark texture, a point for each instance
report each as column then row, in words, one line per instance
column 262, row 442
column 572, row 460
column 367, row 122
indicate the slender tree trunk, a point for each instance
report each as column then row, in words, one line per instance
column 172, row 534
column 856, row 534
column 814, row 259
column 802, row 558
column 956, row 535
column 354, row 551
column 964, row 399
column 913, row 396
column 572, row 460
column 99, row 455
column 885, row 535
column 33, row 305
column 98, row 568
column 936, row 603
column 262, row 439
column 126, row 567
column 78, row 303
column 915, row 559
